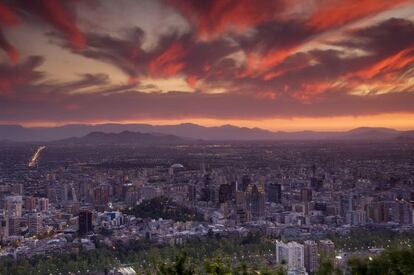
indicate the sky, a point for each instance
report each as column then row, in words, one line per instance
column 275, row 64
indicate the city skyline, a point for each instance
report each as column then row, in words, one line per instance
column 276, row 65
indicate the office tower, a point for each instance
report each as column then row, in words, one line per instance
column 225, row 193
column 13, row 205
column 255, row 200
column 69, row 193
column 131, row 193
column 192, row 193
column 101, row 194
column 245, row 182
column 306, row 194
column 347, row 203
column 35, row 224
column 85, row 222
column 4, row 226
column 290, row 254
column 14, row 225
column 316, row 184
column 402, row 212
column 326, row 249
column 43, row 204
column 311, row 256
column 356, row 218
column 29, row 203
column 17, row 189
column 274, row 193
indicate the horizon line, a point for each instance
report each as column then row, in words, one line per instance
column 45, row 126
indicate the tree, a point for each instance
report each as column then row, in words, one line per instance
column 179, row 267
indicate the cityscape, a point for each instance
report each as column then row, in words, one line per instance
column 219, row 137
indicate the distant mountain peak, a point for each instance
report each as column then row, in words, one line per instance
column 186, row 130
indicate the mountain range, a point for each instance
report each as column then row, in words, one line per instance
column 125, row 138
column 188, row 131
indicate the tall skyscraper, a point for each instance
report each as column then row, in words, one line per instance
column 35, row 224
column 326, row 249
column 306, row 194
column 85, row 222
column 29, row 203
column 291, row 255
column 4, row 226
column 14, row 225
column 225, row 193
column 255, row 200
column 311, row 256
column 13, row 205
column 274, row 193
column 43, row 204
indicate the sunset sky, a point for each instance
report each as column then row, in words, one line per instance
column 275, row 64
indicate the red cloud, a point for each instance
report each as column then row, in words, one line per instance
column 215, row 17
column 54, row 13
column 7, row 16
column 9, row 49
column 338, row 13
column 168, row 63
column 192, row 80
column 389, row 64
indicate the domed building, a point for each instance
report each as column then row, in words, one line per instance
column 175, row 167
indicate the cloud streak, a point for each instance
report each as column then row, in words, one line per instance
column 238, row 60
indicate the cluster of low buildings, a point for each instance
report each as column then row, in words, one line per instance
column 276, row 192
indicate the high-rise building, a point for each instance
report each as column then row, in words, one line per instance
column 29, row 203
column 14, row 225
column 356, row 218
column 245, row 182
column 326, row 249
column 274, row 193
column 85, row 222
column 17, row 189
column 402, row 212
column 291, row 255
column 13, row 205
column 311, row 256
column 255, row 200
column 43, row 204
column 306, row 194
column 35, row 224
column 101, row 195
column 4, row 226
column 225, row 193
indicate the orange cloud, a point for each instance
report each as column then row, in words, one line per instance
column 390, row 64
column 168, row 63
column 260, row 64
column 338, row 13
column 192, row 80
column 308, row 91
